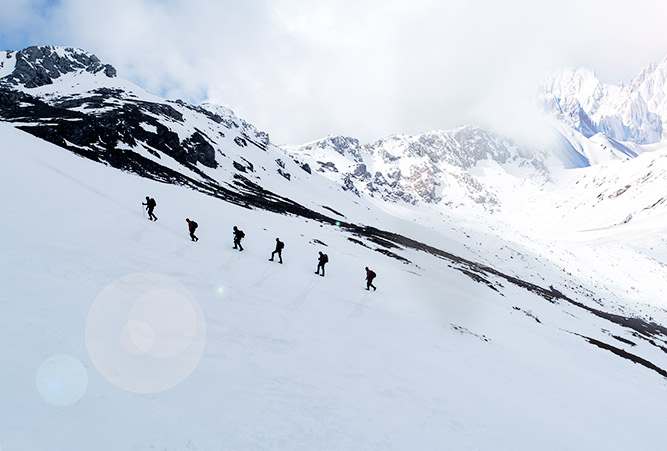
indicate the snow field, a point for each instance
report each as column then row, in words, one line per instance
column 292, row 361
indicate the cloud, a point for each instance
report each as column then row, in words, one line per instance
column 364, row 68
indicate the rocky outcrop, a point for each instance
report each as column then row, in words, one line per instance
column 430, row 167
column 39, row 66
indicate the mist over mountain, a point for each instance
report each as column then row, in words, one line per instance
column 521, row 287
column 636, row 112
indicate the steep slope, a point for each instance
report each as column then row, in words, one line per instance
column 67, row 97
column 584, row 151
column 447, row 352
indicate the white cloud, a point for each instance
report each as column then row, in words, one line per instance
column 365, row 68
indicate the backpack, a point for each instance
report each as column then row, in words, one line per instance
column 371, row 275
column 194, row 225
column 325, row 258
column 152, row 202
column 241, row 234
column 281, row 245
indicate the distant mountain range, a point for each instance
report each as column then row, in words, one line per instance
column 636, row 112
column 430, row 167
column 69, row 97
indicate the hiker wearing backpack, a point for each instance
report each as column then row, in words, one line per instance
column 370, row 275
column 279, row 250
column 192, row 226
column 322, row 260
column 150, row 205
column 238, row 236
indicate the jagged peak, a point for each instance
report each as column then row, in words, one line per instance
column 230, row 119
column 218, row 109
column 437, row 134
column 634, row 112
column 341, row 144
column 335, row 141
column 39, row 65
column 564, row 76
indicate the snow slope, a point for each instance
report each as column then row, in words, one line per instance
column 435, row 359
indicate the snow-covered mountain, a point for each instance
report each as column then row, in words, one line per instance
column 543, row 289
column 182, row 345
column 66, row 96
column 636, row 112
column 436, row 167
column 38, row 66
column 70, row 98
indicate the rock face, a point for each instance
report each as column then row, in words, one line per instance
column 636, row 112
column 38, row 66
column 70, row 98
column 225, row 116
column 431, row 167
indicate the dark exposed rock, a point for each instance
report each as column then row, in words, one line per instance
column 246, row 166
column 361, row 172
column 348, row 185
column 333, row 211
column 261, row 138
column 626, row 355
column 105, row 130
column 393, row 255
column 341, row 144
column 306, row 167
column 329, row 166
column 198, row 149
column 38, row 66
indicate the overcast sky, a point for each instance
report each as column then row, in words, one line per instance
column 303, row 69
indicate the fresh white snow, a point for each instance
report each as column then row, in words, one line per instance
column 291, row 361
column 121, row 333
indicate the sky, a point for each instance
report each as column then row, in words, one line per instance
column 304, row 69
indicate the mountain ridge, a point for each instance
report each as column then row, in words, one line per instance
column 503, row 284
column 635, row 112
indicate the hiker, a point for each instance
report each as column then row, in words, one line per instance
column 192, row 226
column 370, row 275
column 323, row 260
column 279, row 250
column 238, row 236
column 150, row 205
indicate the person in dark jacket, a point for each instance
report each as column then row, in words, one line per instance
column 192, row 226
column 279, row 250
column 323, row 260
column 150, row 205
column 370, row 275
column 238, row 236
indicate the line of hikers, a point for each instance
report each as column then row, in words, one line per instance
column 322, row 260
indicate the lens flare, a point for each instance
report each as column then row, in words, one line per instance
column 62, row 380
column 145, row 333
